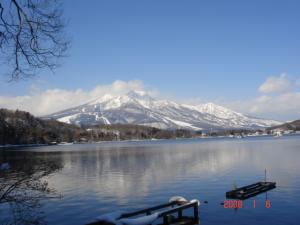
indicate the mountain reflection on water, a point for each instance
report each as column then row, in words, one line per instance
column 99, row 178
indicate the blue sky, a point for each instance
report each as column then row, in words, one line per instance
column 213, row 50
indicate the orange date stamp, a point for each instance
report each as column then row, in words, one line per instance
column 238, row 204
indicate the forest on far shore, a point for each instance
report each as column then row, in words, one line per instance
column 19, row 127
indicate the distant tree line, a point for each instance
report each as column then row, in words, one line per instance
column 234, row 132
column 130, row 131
column 19, row 127
column 294, row 126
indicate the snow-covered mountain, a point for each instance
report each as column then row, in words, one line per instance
column 140, row 108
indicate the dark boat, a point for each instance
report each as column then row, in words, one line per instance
column 250, row 190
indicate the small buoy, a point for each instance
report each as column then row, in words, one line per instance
column 205, row 202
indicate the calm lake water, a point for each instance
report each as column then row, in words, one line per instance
column 100, row 178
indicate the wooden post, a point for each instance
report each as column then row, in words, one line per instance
column 166, row 222
column 196, row 213
column 148, row 213
column 179, row 213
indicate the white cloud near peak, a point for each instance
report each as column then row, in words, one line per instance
column 280, row 99
column 280, row 107
column 275, row 84
column 297, row 83
column 52, row 100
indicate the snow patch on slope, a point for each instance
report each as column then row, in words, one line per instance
column 67, row 119
column 140, row 108
column 183, row 124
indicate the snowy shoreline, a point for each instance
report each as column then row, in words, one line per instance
column 132, row 140
column 94, row 142
column 23, row 145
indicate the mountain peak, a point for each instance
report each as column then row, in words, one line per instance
column 138, row 107
column 219, row 111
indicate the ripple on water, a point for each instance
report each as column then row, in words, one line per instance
column 97, row 179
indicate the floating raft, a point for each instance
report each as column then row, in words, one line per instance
column 250, row 190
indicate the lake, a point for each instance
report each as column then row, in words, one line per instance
column 98, row 178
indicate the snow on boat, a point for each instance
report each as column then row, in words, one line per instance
column 150, row 215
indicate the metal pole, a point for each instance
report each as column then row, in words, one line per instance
column 265, row 175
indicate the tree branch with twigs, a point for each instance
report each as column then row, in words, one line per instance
column 31, row 36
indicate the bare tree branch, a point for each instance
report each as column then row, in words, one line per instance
column 31, row 36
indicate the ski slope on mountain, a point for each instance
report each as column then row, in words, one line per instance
column 140, row 108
